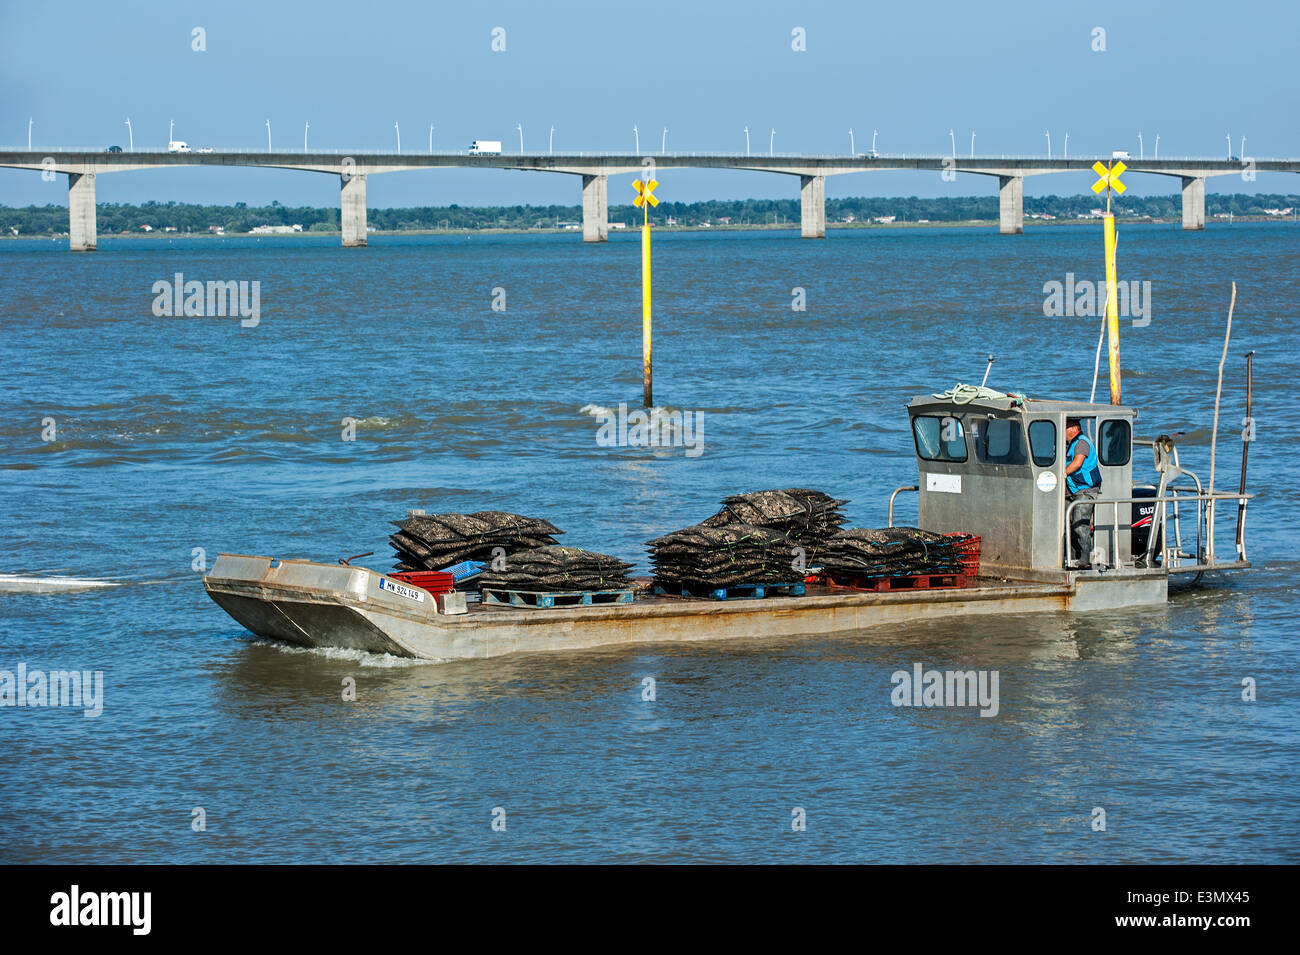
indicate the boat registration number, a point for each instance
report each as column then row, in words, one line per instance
column 410, row 593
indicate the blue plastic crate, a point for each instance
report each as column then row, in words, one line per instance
column 464, row 570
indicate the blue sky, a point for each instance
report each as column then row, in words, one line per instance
column 1191, row 72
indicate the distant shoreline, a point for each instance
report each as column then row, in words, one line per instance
column 853, row 212
column 784, row 227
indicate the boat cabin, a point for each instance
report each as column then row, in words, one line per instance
column 995, row 466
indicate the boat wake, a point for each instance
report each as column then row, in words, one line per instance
column 30, row 584
column 382, row 661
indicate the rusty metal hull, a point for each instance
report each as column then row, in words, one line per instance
column 325, row 605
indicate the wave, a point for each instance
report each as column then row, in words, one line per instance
column 29, row 584
column 359, row 657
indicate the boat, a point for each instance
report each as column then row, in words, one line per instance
column 989, row 464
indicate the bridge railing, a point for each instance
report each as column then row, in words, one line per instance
column 621, row 154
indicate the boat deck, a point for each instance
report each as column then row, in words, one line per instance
column 324, row 605
column 815, row 595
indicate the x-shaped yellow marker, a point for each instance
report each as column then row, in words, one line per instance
column 645, row 193
column 1109, row 177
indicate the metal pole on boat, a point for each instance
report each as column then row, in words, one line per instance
column 1247, row 436
column 1214, row 435
column 988, row 369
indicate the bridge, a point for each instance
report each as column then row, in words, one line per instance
column 82, row 166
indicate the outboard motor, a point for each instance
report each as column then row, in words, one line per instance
column 1144, row 514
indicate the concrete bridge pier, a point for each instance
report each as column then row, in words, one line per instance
column 595, row 208
column 812, row 206
column 1193, row 203
column 82, row 236
column 353, row 210
column 1011, row 205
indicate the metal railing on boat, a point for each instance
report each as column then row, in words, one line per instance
column 1172, row 556
column 898, row 491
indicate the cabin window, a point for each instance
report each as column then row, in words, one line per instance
column 939, row 439
column 1114, row 443
column 1042, row 442
column 999, row 441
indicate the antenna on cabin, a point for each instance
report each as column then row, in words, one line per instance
column 986, row 372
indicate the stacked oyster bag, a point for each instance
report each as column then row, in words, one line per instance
column 760, row 537
column 890, row 552
column 436, row 541
column 806, row 518
column 557, row 569
column 702, row 557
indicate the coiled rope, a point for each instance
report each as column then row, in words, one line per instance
column 961, row 394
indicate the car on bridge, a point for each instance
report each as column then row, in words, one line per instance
column 113, row 149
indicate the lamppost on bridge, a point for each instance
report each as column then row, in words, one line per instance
column 1157, row 145
column 972, row 144
column 953, row 137
column 171, row 132
column 771, row 144
column 1067, row 144
column 399, row 138
column 1141, row 154
column 130, row 136
column 852, row 150
column 1049, row 144
column 268, row 135
column 637, row 136
column 1243, row 148
column 1228, row 137
column 29, row 134
column 746, row 140
column 873, row 144
column 305, row 126
column 663, row 144
column 550, row 146
column 520, row 127
column 431, row 139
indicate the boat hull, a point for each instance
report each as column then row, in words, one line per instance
column 323, row 605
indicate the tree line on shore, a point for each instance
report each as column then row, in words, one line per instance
column 117, row 218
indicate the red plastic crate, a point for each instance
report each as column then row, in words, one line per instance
column 890, row 584
column 434, row 581
column 968, row 546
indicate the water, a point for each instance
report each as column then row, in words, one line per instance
column 176, row 434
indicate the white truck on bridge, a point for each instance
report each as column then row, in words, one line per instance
column 485, row 147
column 177, row 146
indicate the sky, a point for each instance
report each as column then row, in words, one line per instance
column 1191, row 72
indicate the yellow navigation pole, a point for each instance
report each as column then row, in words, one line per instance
column 645, row 199
column 1110, row 181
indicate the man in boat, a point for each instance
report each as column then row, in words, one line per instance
column 1082, row 483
